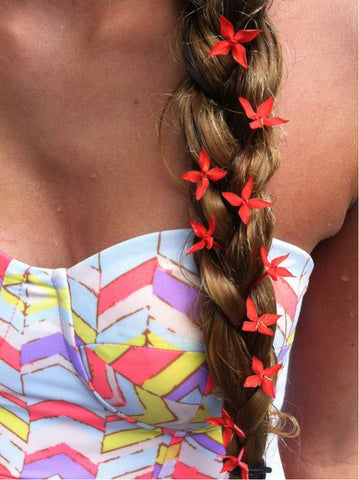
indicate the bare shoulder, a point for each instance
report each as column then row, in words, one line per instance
column 324, row 361
column 317, row 179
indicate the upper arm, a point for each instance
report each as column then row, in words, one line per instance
column 322, row 382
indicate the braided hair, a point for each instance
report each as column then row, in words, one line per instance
column 211, row 118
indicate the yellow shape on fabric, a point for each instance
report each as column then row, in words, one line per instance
column 13, row 279
column 109, row 352
column 158, row 342
column 13, row 299
column 33, row 279
column 125, row 438
column 83, row 330
column 64, row 298
column 14, row 423
column 156, row 411
column 171, row 376
column 201, row 415
column 49, row 302
column 161, row 455
column 211, row 431
column 139, row 341
column 173, row 451
column 290, row 339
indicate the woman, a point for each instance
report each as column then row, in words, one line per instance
column 83, row 86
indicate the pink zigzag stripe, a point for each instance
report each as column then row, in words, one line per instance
column 10, row 355
column 13, row 399
column 4, row 472
column 62, row 448
column 127, row 284
column 57, row 408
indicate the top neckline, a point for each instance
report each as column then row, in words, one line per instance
column 275, row 243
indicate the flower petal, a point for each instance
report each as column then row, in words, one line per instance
column 269, row 318
column 197, row 246
column 249, row 326
column 271, row 371
column 283, row 272
column 252, row 381
column 204, row 161
column 277, row 260
column 268, row 387
column 227, row 435
column 199, row 230
column 258, row 203
column 202, row 187
column 209, row 243
column 211, row 226
column 247, row 189
column 257, row 365
column 272, row 121
column 256, row 124
column 265, row 108
column 239, row 432
column 252, row 313
column 229, row 465
column 245, row 213
column 192, row 176
column 233, row 199
column 222, row 47
column 227, row 29
column 247, row 108
column 215, row 421
column 216, row 174
column 264, row 330
column 239, row 54
column 244, row 470
column 244, row 36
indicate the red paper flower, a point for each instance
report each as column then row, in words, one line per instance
column 233, row 462
column 206, row 235
column 261, row 323
column 262, row 376
column 261, row 116
column 245, row 202
column 272, row 266
column 229, row 427
column 203, row 176
column 233, row 42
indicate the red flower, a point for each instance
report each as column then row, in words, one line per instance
column 261, row 323
column 233, row 462
column 203, row 176
column 233, row 42
column 262, row 376
column 261, row 117
column 272, row 267
column 245, row 202
column 206, row 235
column 229, row 427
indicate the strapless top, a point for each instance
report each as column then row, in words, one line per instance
column 103, row 371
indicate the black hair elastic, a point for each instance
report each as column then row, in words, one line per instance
column 253, row 472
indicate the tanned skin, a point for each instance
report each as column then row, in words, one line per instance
column 81, row 87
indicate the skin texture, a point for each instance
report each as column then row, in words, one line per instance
column 81, row 87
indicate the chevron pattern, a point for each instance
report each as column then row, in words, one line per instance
column 102, row 367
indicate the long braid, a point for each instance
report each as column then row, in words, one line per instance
column 211, row 117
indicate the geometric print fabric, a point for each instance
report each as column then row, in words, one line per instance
column 102, row 367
